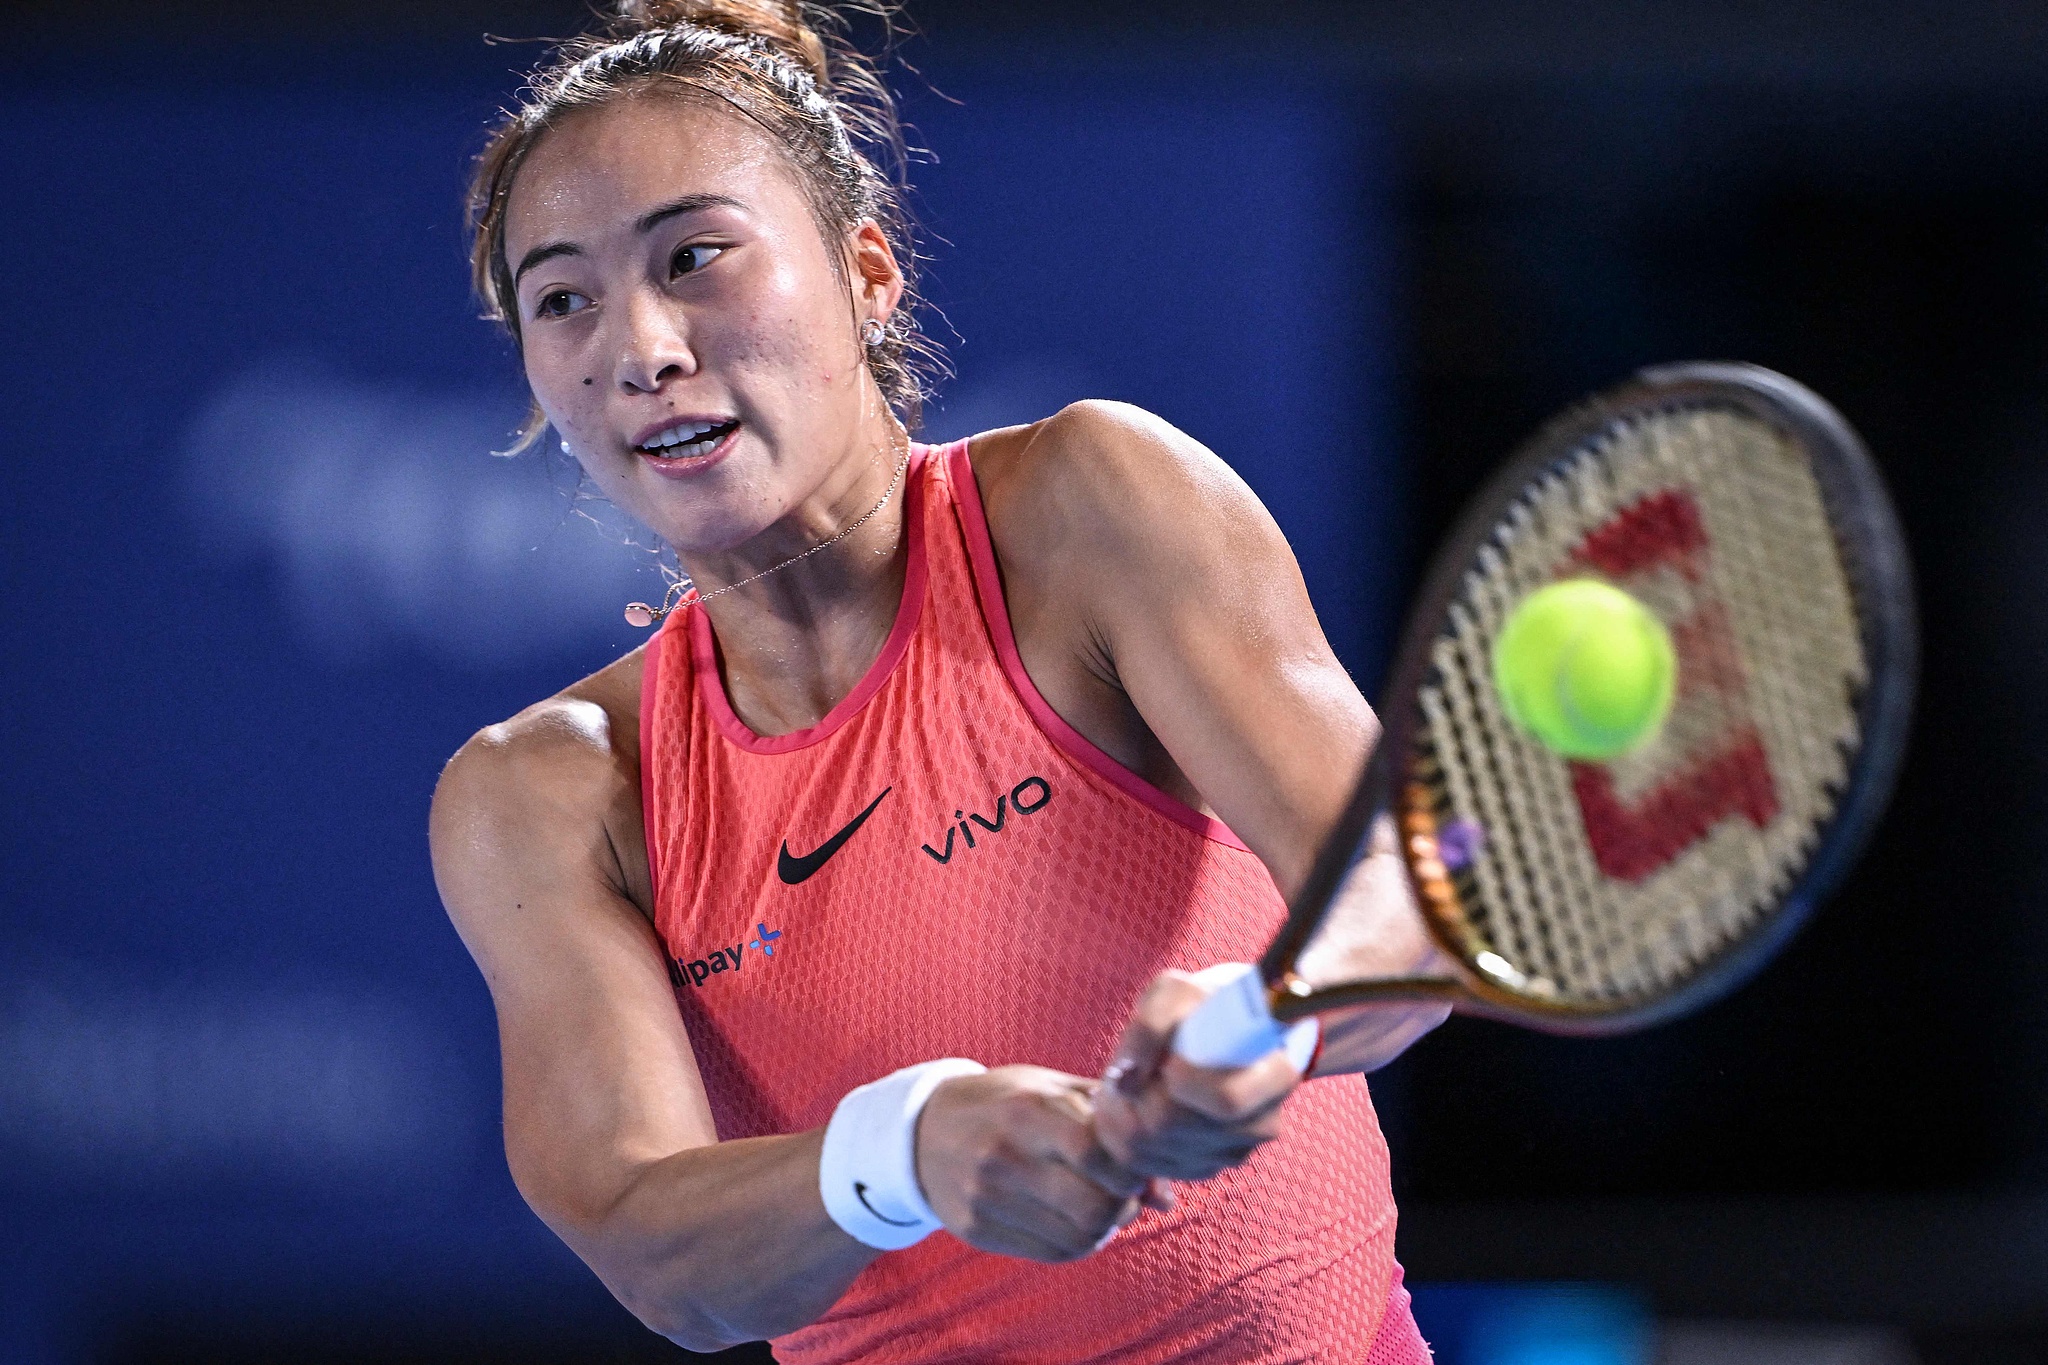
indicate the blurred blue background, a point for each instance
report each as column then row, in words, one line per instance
column 267, row 574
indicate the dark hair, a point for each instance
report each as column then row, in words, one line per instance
column 788, row 65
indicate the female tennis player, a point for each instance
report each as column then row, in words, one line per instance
column 811, row 923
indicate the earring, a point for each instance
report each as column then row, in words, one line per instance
column 566, row 450
column 872, row 332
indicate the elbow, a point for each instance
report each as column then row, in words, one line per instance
column 651, row 1288
column 679, row 1323
column 662, row 1275
column 650, row 1293
column 646, row 1278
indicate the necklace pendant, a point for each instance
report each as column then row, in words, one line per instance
column 640, row 615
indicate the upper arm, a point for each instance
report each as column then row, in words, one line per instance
column 599, row 1076
column 1177, row 577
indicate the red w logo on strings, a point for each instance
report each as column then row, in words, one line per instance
column 1729, row 775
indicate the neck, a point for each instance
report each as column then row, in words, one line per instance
column 796, row 640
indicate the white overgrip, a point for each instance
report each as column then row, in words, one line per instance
column 1234, row 1028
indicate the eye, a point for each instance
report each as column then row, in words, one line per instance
column 559, row 304
column 694, row 257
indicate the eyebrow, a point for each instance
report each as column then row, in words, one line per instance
column 647, row 222
column 689, row 203
column 544, row 253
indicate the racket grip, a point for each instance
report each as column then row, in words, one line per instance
column 1233, row 1027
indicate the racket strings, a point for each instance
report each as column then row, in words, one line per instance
column 1603, row 883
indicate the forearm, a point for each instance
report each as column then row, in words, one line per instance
column 1366, row 1039
column 723, row 1243
column 1374, row 932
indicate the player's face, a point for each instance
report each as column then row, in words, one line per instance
column 681, row 321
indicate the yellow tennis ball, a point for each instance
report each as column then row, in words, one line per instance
column 1585, row 668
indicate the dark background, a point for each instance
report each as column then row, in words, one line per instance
column 247, row 1076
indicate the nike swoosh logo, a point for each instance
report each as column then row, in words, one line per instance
column 793, row 869
column 860, row 1187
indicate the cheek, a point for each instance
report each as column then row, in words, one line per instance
column 565, row 389
column 792, row 326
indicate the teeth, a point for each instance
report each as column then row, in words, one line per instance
column 683, row 433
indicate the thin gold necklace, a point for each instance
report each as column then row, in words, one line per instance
column 642, row 615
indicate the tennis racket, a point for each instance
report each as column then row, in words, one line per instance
column 1599, row 897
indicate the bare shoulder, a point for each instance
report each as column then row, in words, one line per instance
column 582, row 739
column 556, row 783
column 1102, row 489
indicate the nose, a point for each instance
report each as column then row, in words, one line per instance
column 653, row 345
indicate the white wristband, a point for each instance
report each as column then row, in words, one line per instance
column 868, row 1170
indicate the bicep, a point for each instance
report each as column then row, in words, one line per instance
column 599, row 1077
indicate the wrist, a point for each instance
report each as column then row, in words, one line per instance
column 867, row 1169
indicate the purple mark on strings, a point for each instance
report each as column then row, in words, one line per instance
column 1460, row 843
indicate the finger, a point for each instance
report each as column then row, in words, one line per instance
column 1179, row 1143
column 1080, row 1203
column 1056, row 1205
column 1011, row 1212
column 1069, row 1195
column 1105, row 1171
column 1187, row 1161
column 1170, row 998
column 1054, row 1133
column 1000, row 1235
column 1116, row 1125
column 1062, row 1127
column 1070, row 1137
column 1241, row 1095
column 1131, row 1213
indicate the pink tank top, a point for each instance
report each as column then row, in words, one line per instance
column 943, row 867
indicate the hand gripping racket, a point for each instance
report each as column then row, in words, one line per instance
column 1598, row 897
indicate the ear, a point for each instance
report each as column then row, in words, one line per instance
column 876, row 278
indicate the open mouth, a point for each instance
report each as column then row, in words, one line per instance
column 687, row 440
